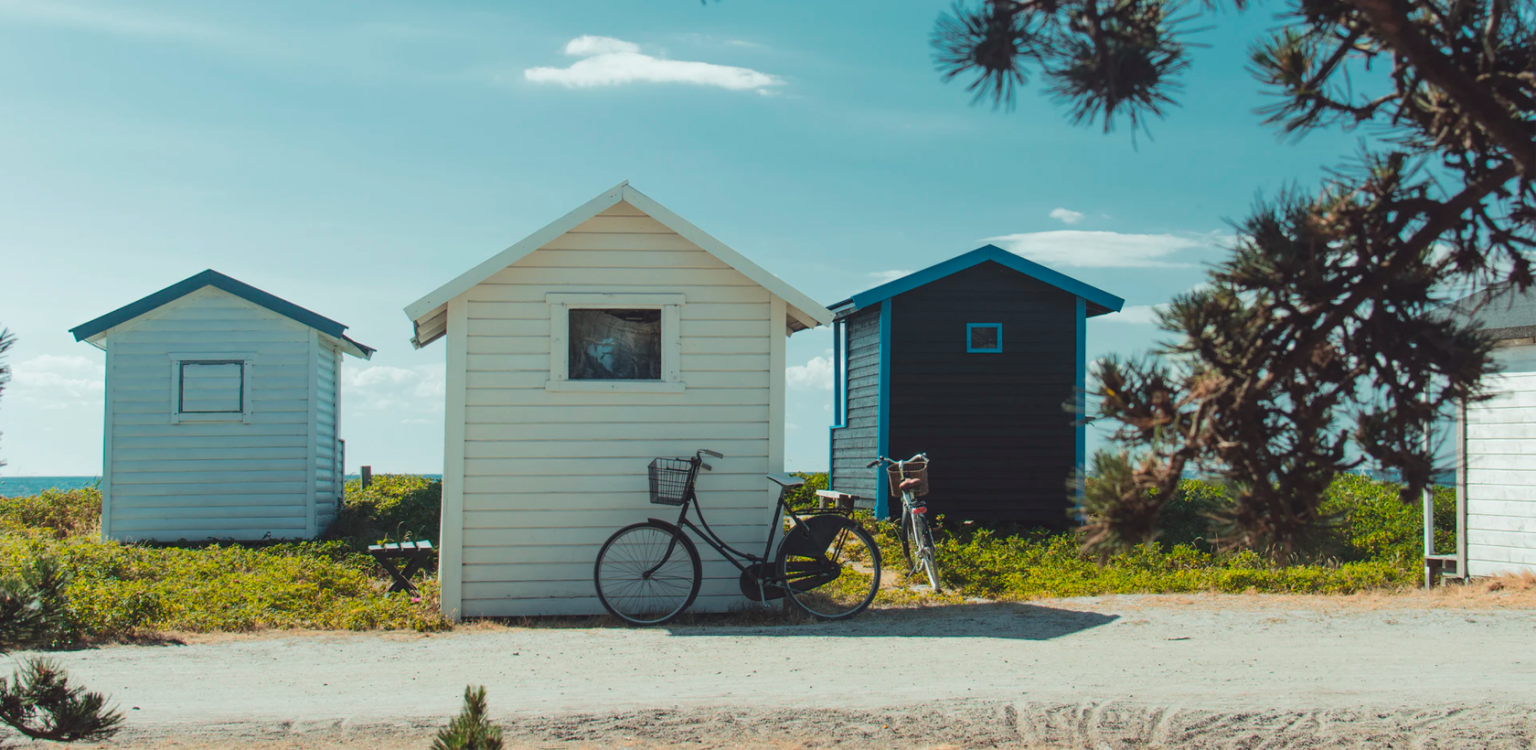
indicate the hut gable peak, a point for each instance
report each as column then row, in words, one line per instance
column 1099, row 301
column 430, row 313
column 95, row 330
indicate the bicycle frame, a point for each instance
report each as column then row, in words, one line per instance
column 704, row 533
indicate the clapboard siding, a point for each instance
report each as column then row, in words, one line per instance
column 240, row 478
column 151, row 465
column 994, row 424
column 1501, row 469
column 549, row 475
column 856, row 443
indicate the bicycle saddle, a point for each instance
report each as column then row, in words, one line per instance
column 786, row 481
column 907, row 484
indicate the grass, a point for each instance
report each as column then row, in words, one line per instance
column 1371, row 543
column 123, row 591
column 1369, row 548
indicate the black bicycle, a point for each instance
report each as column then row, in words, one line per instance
column 649, row 573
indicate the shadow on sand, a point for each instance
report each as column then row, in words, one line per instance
column 1017, row 621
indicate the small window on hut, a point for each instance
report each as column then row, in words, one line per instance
column 205, row 389
column 610, row 344
column 615, row 342
column 984, row 338
column 212, row 387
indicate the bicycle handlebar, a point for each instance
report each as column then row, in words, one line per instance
column 708, row 452
column 882, row 459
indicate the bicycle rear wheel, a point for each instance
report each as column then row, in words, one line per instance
column 648, row 573
column 830, row 567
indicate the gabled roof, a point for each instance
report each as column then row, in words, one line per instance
column 430, row 313
column 95, row 328
column 1099, row 301
column 1499, row 311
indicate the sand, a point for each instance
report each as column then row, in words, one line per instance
column 1113, row 672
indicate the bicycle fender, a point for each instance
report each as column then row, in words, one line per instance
column 670, row 526
column 820, row 532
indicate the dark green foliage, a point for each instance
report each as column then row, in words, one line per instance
column 395, row 507
column 39, row 702
column 1316, row 348
column 472, row 728
column 117, row 590
column 62, row 513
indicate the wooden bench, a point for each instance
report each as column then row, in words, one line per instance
column 414, row 556
column 834, row 500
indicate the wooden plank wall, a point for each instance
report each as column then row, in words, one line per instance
column 549, row 475
column 1002, row 445
column 195, row 480
column 1501, row 469
column 857, row 443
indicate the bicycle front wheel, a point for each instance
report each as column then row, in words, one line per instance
column 829, row 567
column 648, row 574
column 926, row 554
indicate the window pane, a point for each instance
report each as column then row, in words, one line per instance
column 615, row 345
column 985, row 337
column 212, row 387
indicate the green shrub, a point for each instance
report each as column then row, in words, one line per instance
column 59, row 513
column 395, row 507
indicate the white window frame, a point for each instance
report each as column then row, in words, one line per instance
column 670, row 305
column 247, row 362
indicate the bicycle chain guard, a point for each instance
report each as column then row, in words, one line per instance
column 763, row 572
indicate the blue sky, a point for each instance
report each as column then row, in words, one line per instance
column 352, row 156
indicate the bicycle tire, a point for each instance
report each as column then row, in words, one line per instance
column 904, row 531
column 804, row 577
column 634, row 593
column 926, row 554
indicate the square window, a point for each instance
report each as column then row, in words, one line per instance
column 984, row 338
column 212, row 387
column 615, row 344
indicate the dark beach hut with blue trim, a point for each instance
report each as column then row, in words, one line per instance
column 222, row 414
column 977, row 362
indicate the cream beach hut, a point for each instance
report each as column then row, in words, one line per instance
column 618, row 333
column 222, row 414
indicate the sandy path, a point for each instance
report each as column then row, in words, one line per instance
column 1109, row 673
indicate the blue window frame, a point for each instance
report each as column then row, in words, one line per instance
column 984, row 338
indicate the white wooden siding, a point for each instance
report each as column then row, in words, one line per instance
column 207, row 479
column 1501, row 469
column 327, row 424
column 544, row 477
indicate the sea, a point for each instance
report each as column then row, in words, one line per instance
column 26, row 486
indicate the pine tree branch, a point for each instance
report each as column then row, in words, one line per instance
column 1389, row 19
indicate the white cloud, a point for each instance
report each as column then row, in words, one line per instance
column 1140, row 315
column 613, row 62
column 815, row 375
column 882, row 277
column 384, row 388
column 1066, row 215
column 58, row 382
column 1076, row 248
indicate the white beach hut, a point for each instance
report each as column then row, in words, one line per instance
column 616, row 334
column 222, row 414
column 1495, row 443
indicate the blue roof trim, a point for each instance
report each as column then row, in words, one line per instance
column 218, row 281
column 1094, row 295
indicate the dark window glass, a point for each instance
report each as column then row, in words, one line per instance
column 615, row 345
column 986, row 338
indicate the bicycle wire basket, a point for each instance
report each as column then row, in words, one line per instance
column 669, row 480
column 914, row 469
